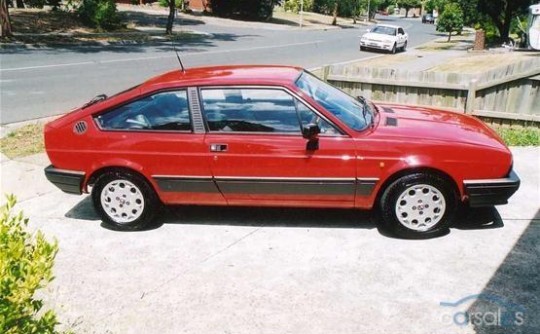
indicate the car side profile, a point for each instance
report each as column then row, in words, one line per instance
column 385, row 37
column 274, row 136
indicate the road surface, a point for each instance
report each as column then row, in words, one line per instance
column 40, row 82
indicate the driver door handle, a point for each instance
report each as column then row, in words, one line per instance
column 218, row 147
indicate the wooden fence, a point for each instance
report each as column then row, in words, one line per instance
column 510, row 92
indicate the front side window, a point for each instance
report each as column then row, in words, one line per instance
column 161, row 111
column 250, row 110
column 264, row 110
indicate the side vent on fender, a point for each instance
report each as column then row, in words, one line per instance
column 80, row 127
column 390, row 121
column 388, row 110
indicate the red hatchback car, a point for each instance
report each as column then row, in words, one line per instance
column 274, row 136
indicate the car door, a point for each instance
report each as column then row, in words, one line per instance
column 259, row 156
column 402, row 37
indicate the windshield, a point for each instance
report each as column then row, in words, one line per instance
column 345, row 107
column 384, row 30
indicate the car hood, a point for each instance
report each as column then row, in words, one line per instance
column 426, row 124
column 377, row 37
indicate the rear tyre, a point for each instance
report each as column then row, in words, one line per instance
column 124, row 200
column 418, row 206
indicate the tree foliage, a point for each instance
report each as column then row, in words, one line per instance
column 100, row 14
column 408, row 4
column 26, row 263
column 451, row 19
column 501, row 13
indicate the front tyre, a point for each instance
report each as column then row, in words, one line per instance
column 394, row 49
column 404, row 47
column 418, row 206
column 124, row 200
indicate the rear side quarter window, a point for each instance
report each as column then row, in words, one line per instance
column 165, row 111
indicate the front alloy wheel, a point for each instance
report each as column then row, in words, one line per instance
column 418, row 206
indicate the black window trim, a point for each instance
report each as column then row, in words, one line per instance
column 140, row 97
column 272, row 87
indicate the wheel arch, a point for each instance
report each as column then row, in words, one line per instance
column 414, row 170
column 100, row 171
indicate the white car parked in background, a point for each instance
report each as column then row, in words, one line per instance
column 385, row 37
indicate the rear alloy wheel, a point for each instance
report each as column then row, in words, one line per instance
column 124, row 200
column 418, row 206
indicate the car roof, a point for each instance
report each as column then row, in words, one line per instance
column 226, row 75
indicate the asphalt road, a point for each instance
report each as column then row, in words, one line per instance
column 40, row 82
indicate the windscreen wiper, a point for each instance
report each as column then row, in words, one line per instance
column 95, row 100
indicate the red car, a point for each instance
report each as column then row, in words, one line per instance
column 274, row 136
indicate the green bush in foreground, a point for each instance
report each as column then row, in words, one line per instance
column 26, row 263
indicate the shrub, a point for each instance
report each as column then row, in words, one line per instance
column 246, row 9
column 26, row 263
column 165, row 3
column 101, row 14
column 35, row 3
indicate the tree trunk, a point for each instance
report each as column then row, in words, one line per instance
column 5, row 29
column 170, row 19
column 449, row 35
column 334, row 20
column 20, row 4
column 407, row 11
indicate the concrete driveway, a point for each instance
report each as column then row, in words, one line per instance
column 245, row 270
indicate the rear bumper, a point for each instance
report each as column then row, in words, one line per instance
column 68, row 181
column 491, row 192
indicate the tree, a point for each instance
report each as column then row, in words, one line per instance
column 170, row 18
column 408, row 4
column 501, row 12
column 5, row 29
column 450, row 20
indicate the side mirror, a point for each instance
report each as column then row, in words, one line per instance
column 311, row 133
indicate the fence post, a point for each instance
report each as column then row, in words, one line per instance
column 325, row 72
column 471, row 96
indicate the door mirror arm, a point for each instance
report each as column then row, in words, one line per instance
column 311, row 133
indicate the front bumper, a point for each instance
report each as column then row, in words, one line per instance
column 68, row 181
column 491, row 192
column 371, row 44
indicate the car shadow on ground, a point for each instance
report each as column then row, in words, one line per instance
column 479, row 219
column 244, row 216
column 510, row 301
column 473, row 219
